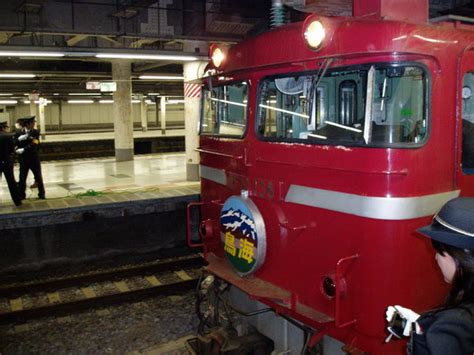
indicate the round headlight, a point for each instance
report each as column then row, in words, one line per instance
column 314, row 34
column 217, row 57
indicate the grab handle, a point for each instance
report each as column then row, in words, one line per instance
column 191, row 244
column 339, row 293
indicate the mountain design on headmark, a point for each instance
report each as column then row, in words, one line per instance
column 232, row 219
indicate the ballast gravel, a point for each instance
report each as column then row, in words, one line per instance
column 117, row 329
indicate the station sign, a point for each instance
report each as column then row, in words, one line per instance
column 93, row 85
column 103, row 86
column 108, row 86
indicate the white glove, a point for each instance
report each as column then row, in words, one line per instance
column 23, row 137
column 406, row 313
column 20, row 150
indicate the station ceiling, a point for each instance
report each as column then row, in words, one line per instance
column 83, row 28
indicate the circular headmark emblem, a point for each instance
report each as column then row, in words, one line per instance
column 243, row 234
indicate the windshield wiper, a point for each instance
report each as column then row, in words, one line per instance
column 314, row 87
column 209, row 86
column 368, row 105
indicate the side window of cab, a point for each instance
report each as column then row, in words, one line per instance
column 224, row 110
column 467, row 161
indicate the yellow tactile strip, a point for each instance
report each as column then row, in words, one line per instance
column 161, row 191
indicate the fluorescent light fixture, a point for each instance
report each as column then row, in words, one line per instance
column 112, row 101
column 317, row 136
column 84, row 94
column 30, row 54
column 171, row 102
column 80, row 101
column 183, row 58
column 6, row 94
column 153, row 94
column 17, row 75
column 161, row 77
column 282, row 110
column 56, row 94
column 8, row 102
column 229, row 102
column 36, row 101
column 343, row 126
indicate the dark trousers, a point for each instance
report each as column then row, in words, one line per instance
column 6, row 167
column 34, row 165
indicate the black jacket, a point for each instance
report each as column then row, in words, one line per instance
column 467, row 145
column 30, row 144
column 445, row 332
column 6, row 147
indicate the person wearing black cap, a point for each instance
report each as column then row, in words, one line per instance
column 467, row 157
column 6, row 162
column 450, row 328
column 27, row 142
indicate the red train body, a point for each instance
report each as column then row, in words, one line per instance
column 336, row 208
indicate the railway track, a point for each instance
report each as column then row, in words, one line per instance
column 68, row 295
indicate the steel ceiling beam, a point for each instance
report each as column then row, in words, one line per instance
column 71, row 42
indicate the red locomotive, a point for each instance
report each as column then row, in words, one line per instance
column 324, row 146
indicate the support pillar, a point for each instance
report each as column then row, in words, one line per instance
column 157, row 112
column 192, row 100
column 143, row 115
column 42, row 118
column 163, row 114
column 32, row 107
column 60, row 115
column 3, row 117
column 122, row 110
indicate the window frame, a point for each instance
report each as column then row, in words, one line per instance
column 201, row 111
column 340, row 90
column 367, row 66
column 469, row 171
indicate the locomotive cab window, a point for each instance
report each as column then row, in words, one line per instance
column 468, row 124
column 370, row 105
column 224, row 110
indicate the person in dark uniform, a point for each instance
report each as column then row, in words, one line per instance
column 27, row 146
column 19, row 128
column 467, row 144
column 450, row 328
column 6, row 162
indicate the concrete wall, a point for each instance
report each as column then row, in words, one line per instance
column 96, row 114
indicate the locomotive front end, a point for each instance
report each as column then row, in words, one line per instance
column 311, row 146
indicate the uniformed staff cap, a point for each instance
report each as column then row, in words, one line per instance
column 453, row 224
column 26, row 120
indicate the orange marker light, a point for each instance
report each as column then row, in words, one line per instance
column 218, row 57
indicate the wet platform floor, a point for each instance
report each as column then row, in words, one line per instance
column 85, row 182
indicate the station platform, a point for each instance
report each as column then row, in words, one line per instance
column 54, row 137
column 64, row 146
column 96, row 208
column 68, row 180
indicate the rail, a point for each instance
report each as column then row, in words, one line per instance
column 159, row 278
